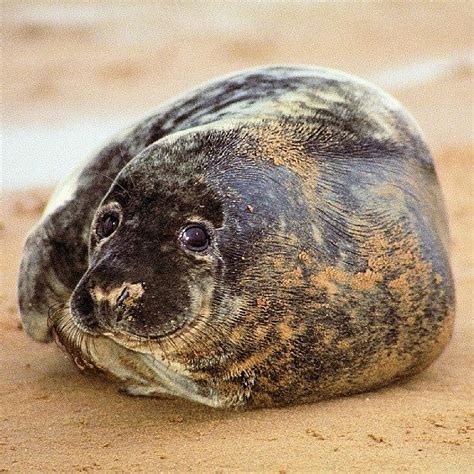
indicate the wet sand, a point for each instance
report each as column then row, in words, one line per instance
column 54, row 418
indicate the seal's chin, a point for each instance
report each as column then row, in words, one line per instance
column 130, row 360
column 115, row 355
column 134, row 342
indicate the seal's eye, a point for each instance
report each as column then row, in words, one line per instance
column 107, row 225
column 195, row 237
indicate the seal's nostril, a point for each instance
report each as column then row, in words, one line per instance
column 122, row 297
column 83, row 303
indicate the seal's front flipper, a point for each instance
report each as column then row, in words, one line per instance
column 48, row 273
column 54, row 259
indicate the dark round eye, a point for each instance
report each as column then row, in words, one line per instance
column 107, row 225
column 195, row 238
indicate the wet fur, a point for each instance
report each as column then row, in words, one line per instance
column 331, row 274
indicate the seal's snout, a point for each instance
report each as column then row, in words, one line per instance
column 93, row 306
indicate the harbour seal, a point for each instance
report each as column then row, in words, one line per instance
column 276, row 236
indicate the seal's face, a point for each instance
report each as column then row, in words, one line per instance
column 153, row 256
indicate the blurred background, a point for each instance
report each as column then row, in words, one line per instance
column 75, row 73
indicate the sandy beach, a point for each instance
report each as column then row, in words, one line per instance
column 88, row 64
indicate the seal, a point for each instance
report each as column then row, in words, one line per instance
column 276, row 236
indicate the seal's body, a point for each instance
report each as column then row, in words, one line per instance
column 274, row 237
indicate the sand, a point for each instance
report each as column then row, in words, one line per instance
column 53, row 418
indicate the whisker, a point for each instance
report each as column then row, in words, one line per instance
column 113, row 181
column 126, row 160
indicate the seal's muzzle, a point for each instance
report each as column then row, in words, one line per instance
column 95, row 308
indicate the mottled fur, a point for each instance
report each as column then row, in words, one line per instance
column 328, row 272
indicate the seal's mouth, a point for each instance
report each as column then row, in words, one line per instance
column 78, row 340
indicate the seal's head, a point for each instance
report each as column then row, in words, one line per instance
column 171, row 239
column 154, row 250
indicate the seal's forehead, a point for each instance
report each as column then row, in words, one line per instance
column 162, row 185
column 159, row 183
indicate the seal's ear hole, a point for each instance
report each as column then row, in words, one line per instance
column 195, row 237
